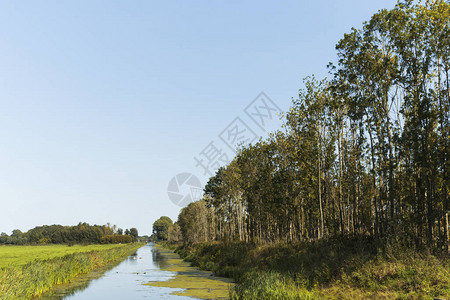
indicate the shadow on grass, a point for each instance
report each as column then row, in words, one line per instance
column 365, row 267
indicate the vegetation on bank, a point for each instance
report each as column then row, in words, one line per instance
column 365, row 153
column 342, row 268
column 116, row 239
column 189, row 281
column 24, row 281
column 351, row 198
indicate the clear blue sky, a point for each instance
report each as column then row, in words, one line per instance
column 103, row 102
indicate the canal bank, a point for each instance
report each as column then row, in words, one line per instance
column 150, row 273
column 344, row 268
column 194, row 282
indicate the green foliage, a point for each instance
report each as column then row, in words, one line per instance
column 174, row 233
column 134, row 234
column 193, row 222
column 361, row 164
column 116, row 239
column 16, row 238
column 82, row 233
column 161, row 228
column 362, row 154
column 43, row 241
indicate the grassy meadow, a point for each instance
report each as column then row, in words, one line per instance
column 19, row 255
column 29, row 271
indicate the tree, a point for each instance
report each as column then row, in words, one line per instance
column 193, row 222
column 365, row 153
column 174, row 233
column 134, row 234
column 161, row 228
column 3, row 238
column 17, row 233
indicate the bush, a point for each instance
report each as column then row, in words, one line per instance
column 44, row 241
column 116, row 239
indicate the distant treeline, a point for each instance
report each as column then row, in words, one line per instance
column 82, row 233
column 364, row 153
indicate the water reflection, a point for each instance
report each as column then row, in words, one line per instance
column 63, row 291
column 122, row 281
column 159, row 260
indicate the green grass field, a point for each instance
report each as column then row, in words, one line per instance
column 20, row 255
column 30, row 271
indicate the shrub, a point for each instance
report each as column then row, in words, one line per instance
column 116, row 239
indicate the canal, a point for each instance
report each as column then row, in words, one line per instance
column 150, row 273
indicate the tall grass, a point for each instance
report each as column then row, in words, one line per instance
column 37, row 277
column 270, row 285
column 342, row 269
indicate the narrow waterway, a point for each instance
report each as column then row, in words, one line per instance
column 150, row 273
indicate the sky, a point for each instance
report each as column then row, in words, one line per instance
column 103, row 103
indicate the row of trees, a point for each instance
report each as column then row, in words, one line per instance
column 364, row 153
column 81, row 233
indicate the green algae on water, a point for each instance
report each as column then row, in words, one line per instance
column 194, row 282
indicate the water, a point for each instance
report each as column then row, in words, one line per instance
column 124, row 281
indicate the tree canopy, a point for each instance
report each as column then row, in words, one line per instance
column 161, row 228
column 58, row 234
column 363, row 153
